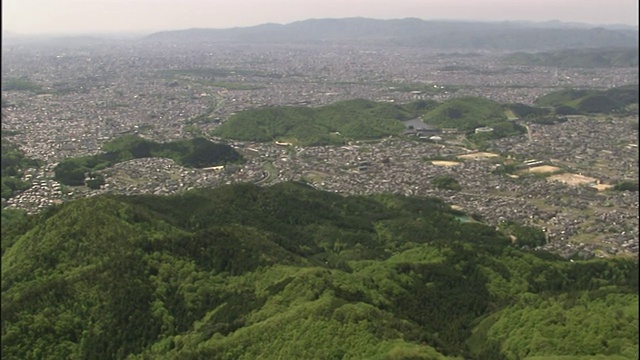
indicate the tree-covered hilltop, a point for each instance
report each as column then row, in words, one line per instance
column 362, row 120
column 523, row 111
column 536, row 115
column 583, row 101
column 468, row 113
column 14, row 162
column 289, row 272
column 196, row 153
column 327, row 125
column 337, row 123
column 580, row 58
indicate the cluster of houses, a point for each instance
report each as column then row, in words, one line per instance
column 92, row 94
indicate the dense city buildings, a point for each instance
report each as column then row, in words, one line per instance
column 90, row 92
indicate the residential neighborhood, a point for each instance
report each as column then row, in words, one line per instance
column 88, row 94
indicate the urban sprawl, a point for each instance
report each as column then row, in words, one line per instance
column 95, row 92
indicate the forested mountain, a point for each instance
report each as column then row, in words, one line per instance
column 583, row 101
column 512, row 36
column 289, row 272
column 579, row 58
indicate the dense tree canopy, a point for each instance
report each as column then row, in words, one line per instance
column 469, row 113
column 243, row 272
column 196, row 153
column 327, row 125
column 582, row 101
column 13, row 163
column 579, row 58
column 446, row 182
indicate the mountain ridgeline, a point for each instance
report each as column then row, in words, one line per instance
column 514, row 36
column 589, row 101
column 290, row 272
column 579, row 58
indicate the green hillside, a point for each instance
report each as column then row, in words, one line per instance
column 591, row 101
column 289, row 272
column 580, row 58
column 332, row 124
column 20, row 84
column 468, row 113
column 564, row 96
column 196, row 153
column 523, row 111
column 14, row 162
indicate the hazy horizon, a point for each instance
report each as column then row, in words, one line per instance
column 75, row 17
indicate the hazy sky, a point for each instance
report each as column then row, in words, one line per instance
column 93, row 16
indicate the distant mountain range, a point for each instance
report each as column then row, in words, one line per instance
column 506, row 36
column 582, row 58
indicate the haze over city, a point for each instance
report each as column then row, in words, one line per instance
column 144, row 16
column 320, row 179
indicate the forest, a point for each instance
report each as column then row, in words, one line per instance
column 578, row 58
column 14, row 162
column 468, row 113
column 197, row 152
column 333, row 124
column 583, row 101
column 340, row 122
column 291, row 272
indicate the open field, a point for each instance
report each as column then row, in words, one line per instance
column 510, row 114
column 572, row 179
column 542, row 205
column 445, row 163
column 478, row 156
column 315, row 176
column 544, row 169
column 603, row 187
column 586, row 238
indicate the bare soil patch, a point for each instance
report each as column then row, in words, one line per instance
column 572, row 179
column 543, row 169
column 445, row 163
column 603, row 187
column 478, row 155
